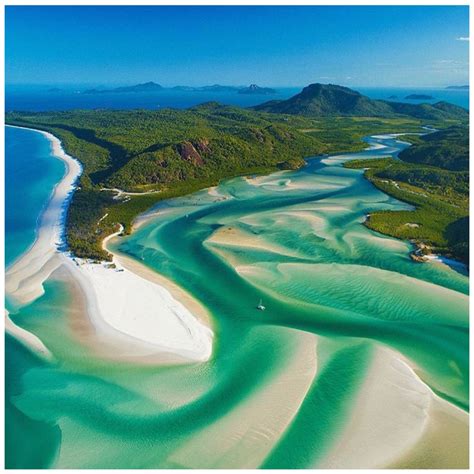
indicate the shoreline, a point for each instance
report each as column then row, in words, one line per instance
column 25, row 276
column 416, row 254
column 71, row 164
column 160, row 322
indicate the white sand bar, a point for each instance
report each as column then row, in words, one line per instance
column 394, row 412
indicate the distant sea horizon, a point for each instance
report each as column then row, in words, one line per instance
column 45, row 98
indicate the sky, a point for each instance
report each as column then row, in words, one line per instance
column 270, row 46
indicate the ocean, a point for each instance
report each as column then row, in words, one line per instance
column 41, row 98
column 31, row 172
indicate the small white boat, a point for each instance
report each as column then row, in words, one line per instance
column 260, row 306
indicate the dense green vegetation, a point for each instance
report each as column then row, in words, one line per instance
column 181, row 151
column 448, row 149
column 323, row 100
column 176, row 152
column 440, row 194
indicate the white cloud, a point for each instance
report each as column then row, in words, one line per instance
column 462, row 38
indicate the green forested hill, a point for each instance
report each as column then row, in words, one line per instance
column 133, row 149
column 448, row 149
column 327, row 99
column 322, row 100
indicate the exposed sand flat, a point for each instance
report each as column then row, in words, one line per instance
column 216, row 192
column 26, row 337
column 118, row 300
column 376, row 146
column 280, row 183
column 234, row 237
column 147, row 216
column 317, row 224
column 445, row 441
column 397, row 421
column 245, row 436
column 285, row 218
column 382, row 241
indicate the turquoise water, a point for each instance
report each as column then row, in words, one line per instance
column 31, row 173
column 333, row 291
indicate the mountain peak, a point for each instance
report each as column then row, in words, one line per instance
column 317, row 87
column 322, row 100
column 327, row 99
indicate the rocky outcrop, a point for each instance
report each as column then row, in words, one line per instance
column 188, row 151
column 420, row 251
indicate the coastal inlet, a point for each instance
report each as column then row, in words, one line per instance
column 359, row 360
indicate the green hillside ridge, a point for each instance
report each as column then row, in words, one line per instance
column 448, row 149
column 176, row 152
column 436, row 182
column 328, row 99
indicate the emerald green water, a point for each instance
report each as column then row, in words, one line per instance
column 295, row 240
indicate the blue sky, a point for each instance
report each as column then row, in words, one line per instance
column 274, row 46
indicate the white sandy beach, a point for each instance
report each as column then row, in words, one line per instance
column 118, row 300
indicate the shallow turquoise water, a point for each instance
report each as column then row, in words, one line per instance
column 31, row 173
column 295, row 240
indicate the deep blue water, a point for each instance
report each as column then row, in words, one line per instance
column 30, row 176
column 39, row 98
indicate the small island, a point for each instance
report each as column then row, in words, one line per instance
column 465, row 87
column 253, row 89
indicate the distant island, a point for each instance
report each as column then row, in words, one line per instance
column 213, row 88
column 466, row 87
column 419, row 97
column 146, row 87
column 154, row 87
column 393, row 97
column 217, row 88
column 257, row 90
